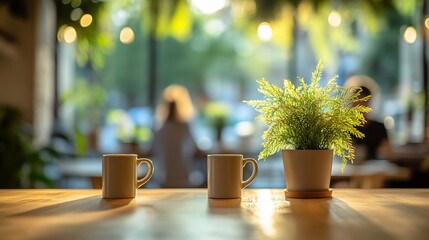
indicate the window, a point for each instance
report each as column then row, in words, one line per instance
column 116, row 57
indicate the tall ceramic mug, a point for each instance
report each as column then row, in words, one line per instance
column 119, row 177
column 225, row 175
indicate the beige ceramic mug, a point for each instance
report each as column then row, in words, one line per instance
column 119, row 177
column 225, row 175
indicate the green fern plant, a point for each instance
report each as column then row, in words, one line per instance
column 310, row 116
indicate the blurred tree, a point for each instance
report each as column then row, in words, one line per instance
column 381, row 58
column 173, row 21
column 93, row 41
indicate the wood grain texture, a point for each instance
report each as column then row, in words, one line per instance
column 189, row 214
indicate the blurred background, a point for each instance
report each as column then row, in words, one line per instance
column 79, row 78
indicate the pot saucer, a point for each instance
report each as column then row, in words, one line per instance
column 312, row 194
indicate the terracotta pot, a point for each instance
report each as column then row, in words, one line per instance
column 307, row 170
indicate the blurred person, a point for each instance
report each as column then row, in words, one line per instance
column 375, row 144
column 174, row 148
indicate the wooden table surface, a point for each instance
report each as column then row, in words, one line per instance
column 189, row 214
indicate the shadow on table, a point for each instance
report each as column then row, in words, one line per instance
column 331, row 218
column 83, row 205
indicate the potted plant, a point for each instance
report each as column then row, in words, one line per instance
column 309, row 124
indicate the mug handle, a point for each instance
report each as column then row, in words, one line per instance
column 254, row 173
column 145, row 179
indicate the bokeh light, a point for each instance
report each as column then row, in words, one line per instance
column 126, row 36
column 334, row 19
column 389, row 122
column 76, row 14
column 410, row 35
column 264, row 31
column 86, row 20
column 244, row 129
column 75, row 3
column 214, row 27
column 70, row 34
column 60, row 33
column 209, row 7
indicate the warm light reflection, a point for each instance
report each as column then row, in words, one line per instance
column 265, row 212
column 389, row 122
column 70, row 34
column 60, row 33
column 126, row 36
column 86, row 20
column 410, row 35
column 427, row 23
column 264, row 31
column 209, row 7
column 334, row 19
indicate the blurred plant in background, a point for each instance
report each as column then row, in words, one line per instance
column 88, row 101
column 217, row 115
column 22, row 165
column 126, row 129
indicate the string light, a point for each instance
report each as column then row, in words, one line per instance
column 264, row 31
column 410, row 35
column 334, row 19
column 126, row 36
column 86, row 20
column 70, row 34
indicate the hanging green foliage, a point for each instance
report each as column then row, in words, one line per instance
column 312, row 17
column 164, row 18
